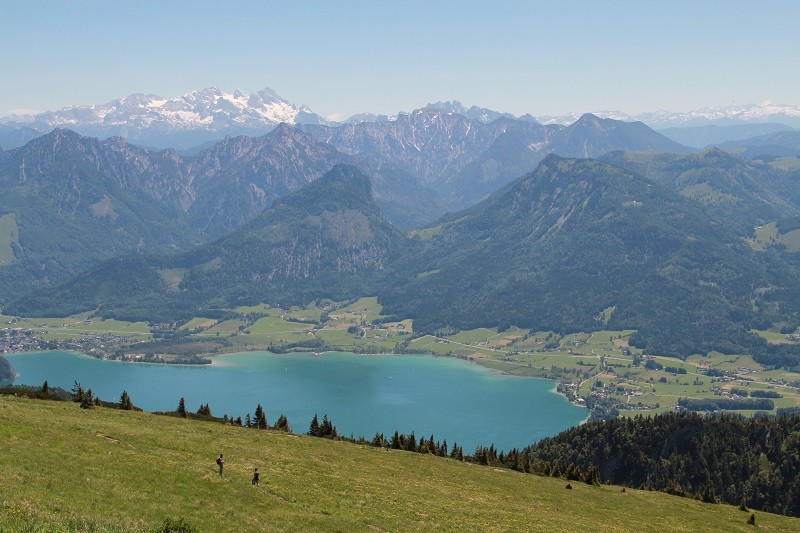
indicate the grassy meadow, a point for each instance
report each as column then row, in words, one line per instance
column 69, row 469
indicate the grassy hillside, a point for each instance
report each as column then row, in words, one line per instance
column 65, row 468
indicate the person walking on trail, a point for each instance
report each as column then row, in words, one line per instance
column 256, row 475
column 220, row 463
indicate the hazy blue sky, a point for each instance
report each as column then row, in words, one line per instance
column 345, row 57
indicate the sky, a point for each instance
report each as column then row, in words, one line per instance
column 342, row 57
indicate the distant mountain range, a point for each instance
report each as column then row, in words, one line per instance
column 597, row 224
column 181, row 122
column 328, row 239
column 575, row 245
column 720, row 116
column 199, row 117
column 59, row 188
column 775, row 144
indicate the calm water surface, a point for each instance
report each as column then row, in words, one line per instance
column 453, row 399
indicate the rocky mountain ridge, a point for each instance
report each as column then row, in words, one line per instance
column 197, row 117
column 179, row 122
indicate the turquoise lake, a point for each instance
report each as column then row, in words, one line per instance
column 453, row 399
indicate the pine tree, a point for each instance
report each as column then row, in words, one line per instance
column 77, row 392
column 182, row 407
column 87, row 400
column 481, row 455
column 708, row 495
column 125, row 401
column 313, row 429
column 593, row 475
column 248, row 422
column 327, row 429
column 260, row 419
column 204, row 410
column 45, row 387
column 411, row 443
column 283, row 424
column 455, row 451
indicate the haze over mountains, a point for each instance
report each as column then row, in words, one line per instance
column 207, row 115
column 599, row 223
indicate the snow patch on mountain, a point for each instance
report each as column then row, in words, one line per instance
column 210, row 109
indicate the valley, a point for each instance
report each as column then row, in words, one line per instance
column 599, row 370
column 569, row 303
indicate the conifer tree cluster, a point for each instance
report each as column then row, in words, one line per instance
column 325, row 430
column 283, row 424
column 754, row 462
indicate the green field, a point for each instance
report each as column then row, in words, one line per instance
column 9, row 235
column 364, row 309
column 68, row 469
column 79, row 326
column 768, row 234
column 601, row 364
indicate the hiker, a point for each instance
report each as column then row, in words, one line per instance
column 255, row 477
column 220, row 463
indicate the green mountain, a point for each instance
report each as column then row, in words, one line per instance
column 328, row 239
column 576, row 245
column 513, row 153
column 592, row 136
column 465, row 160
column 583, row 245
column 715, row 134
column 743, row 192
column 780, row 144
column 238, row 177
column 67, row 202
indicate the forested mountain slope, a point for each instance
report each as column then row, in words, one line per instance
column 328, row 239
column 580, row 245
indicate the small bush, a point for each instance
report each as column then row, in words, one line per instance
column 176, row 526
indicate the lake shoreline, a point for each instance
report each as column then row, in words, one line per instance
column 215, row 357
column 359, row 394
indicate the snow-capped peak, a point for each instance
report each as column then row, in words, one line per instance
column 208, row 109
